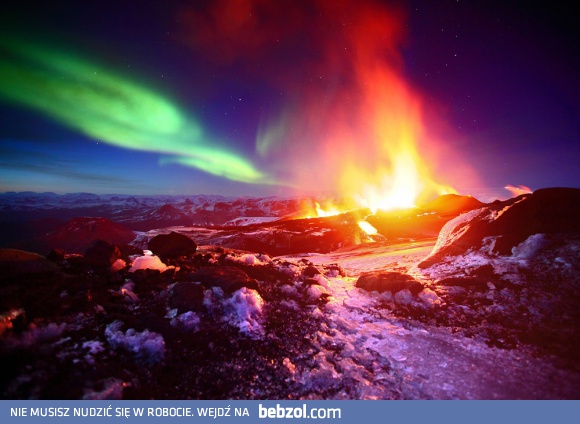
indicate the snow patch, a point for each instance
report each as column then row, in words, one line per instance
column 147, row 346
column 430, row 298
column 94, row 347
column 188, row 321
column 288, row 290
column 403, row 297
column 112, row 390
column 250, row 220
column 290, row 304
column 529, row 247
column 316, row 292
column 148, row 262
column 249, row 259
column 454, row 229
column 321, row 280
column 244, row 310
column 290, row 269
column 33, row 336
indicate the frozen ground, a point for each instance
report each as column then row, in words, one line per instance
column 391, row 356
column 296, row 327
column 492, row 312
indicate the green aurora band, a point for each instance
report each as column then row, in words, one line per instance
column 110, row 108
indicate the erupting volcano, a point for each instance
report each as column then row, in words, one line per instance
column 352, row 123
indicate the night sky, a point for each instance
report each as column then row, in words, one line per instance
column 268, row 97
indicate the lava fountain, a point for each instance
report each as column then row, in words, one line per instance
column 342, row 118
column 363, row 137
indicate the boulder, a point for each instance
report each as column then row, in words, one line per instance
column 546, row 211
column 388, row 281
column 14, row 262
column 172, row 245
column 186, row 296
column 310, row 271
column 128, row 250
column 228, row 278
column 56, row 255
column 101, row 254
column 504, row 225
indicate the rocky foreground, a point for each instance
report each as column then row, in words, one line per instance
column 490, row 309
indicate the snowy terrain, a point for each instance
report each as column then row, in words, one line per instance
column 381, row 347
column 371, row 318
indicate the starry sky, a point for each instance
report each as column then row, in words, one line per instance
column 264, row 97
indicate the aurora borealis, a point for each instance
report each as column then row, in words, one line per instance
column 107, row 107
column 258, row 97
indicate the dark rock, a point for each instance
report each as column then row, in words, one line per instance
column 546, row 211
column 128, row 250
column 335, row 268
column 75, row 262
column 172, row 245
column 149, row 279
column 310, row 271
column 484, row 271
column 311, row 282
column 228, row 278
column 56, row 255
column 388, row 281
column 82, row 299
column 186, row 296
column 151, row 322
column 15, row 262
column 18, row 320
column 476, row 283
column 101, row 254
column 286, row 237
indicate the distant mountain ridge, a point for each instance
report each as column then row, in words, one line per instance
column 140, row 212
column 24, row 216
column 40, row 221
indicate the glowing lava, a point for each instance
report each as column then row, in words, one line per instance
column 367, row 228
column 330, row 211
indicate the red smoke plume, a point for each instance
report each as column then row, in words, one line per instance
column 345, row 119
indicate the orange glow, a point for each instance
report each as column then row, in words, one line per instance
column 367, row 228
column 519, row 190
column 342, row 119
column 366, row 139
column 330, row 211
column 316, row 210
